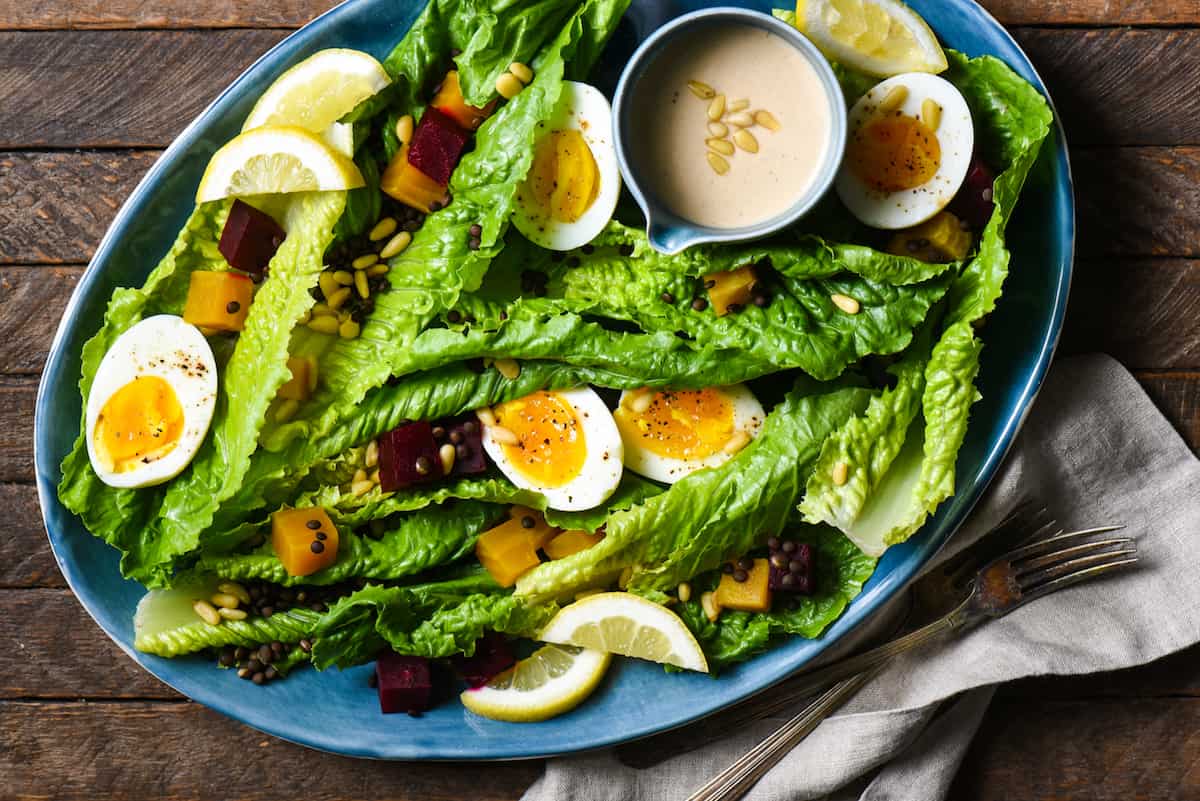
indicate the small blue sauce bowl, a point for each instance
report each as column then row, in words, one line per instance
column 669, row 233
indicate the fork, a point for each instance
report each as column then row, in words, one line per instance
column 1030, row 571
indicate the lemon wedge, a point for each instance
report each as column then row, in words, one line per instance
column 317, row 92
column 552, row 680
column 276, row 160
column 878, row 37
column 627, row 624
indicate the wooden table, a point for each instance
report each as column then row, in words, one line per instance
column 91, row 90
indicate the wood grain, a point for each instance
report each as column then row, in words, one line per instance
column 1112, row 86
column 292, row 13
column 28, row 561
column 55, row 207
column 137, row 750
column 1177, row 395
column 32, row 300
column 142, row 87
column 1096, row 750
column 16, row 428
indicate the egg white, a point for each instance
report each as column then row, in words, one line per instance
column 585, row 109
column 602, row 465
column 748, row 416
column 175, row 351
column 956, row 136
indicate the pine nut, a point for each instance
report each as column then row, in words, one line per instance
column 893, row 99
column 508, row 86
column 446, row 454
column 404, row 129
column 841, row 472
column 739, row 440
column 232, row 614
column 373, row 476
column 349, row 329
column 742, row 119
column 343, row 277
column 396, row 245
column 741, row 104
column 361, row 488
column 234, row 589
column 360, row 283
column 328, row 284
column 508, row 368
column 383, row 229
column 321, row 309
column 289, row 407
column 502, row 435
column 701, row 90
column 377, row 270
column 847, row 304
column 486, row 416
column 523, row 73
column 718, row 129
column 767, row 120
column 336, row 300
column 371, row 457
column 931, row 114
column 323, row 325
column 720, row 166
column 625, row 577
column 716, row 109
column 306, row 316
column 746, row 141
column 363, row 262
column 220, row 599
column 359, row 475
column 684, row 591
column 641, row 403
column 722, row 146
column 207, row 612
column 708, row 602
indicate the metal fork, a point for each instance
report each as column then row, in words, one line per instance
column 1024, row 574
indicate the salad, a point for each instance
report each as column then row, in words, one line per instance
column 413, row 386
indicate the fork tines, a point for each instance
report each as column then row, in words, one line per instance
column 1066, row 559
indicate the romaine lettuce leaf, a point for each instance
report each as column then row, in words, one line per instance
column 710, row 515
column 290, row 626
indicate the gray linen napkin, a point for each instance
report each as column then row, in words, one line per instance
column 1097, row 452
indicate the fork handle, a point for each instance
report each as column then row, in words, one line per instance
column 806, row 684
column 736, row 780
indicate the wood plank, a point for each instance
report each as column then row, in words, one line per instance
column 1100, row 751
column 17, row 396
column 32, row 300
column 1174, row 675
column 1121, row 86
column 1177, row 395
column 56, row 14
column 1112, row 86
column 63, row 634
column 28, row 560
column 69, row 751
column 55, row 207
column 143, row 87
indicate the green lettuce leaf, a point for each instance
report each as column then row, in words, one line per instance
column 709, row 515
column 841, row 571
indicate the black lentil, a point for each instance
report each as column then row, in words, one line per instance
column 772, row 542
column 439, row 432
column 259, row 679
column 313, row 524
column 454, row 316
column 254, row 665
column 456, row 437
column 423, row 465
column 727, row 568
column 321, row 535
column 746, row 563
column 528, row 522
column 740, row 575
column 699, row 304
column 476, row 230
column 667, row 297
column 306, row 646
column 233, row 307
column 317, row 546
column 762, row 300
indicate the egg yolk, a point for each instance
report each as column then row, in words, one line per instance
column 680, row 424
column 140, row 423
column 563, row 180
column 894, row 153
column 550, row 448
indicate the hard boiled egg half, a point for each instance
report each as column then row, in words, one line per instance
column 672, row 433
column 562, row 444
column 907, row 152
column 151, row 403
column 572, row 187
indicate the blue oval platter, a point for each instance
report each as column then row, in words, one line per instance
column 337, row 712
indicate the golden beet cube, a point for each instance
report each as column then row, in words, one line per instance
column 539, row 531
column 751, row 595
column 507, row 551
column 939, row 239
column 305, row 540
column 570, row 542
column 218, row 301
column 731, row 290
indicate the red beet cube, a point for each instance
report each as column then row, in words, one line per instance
column 974, row 202
column 408, row 454
column 793, row 569
column 249, row 239
column 466, row 435
column 436, row 146
column 492, row 656
column 405, row 683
